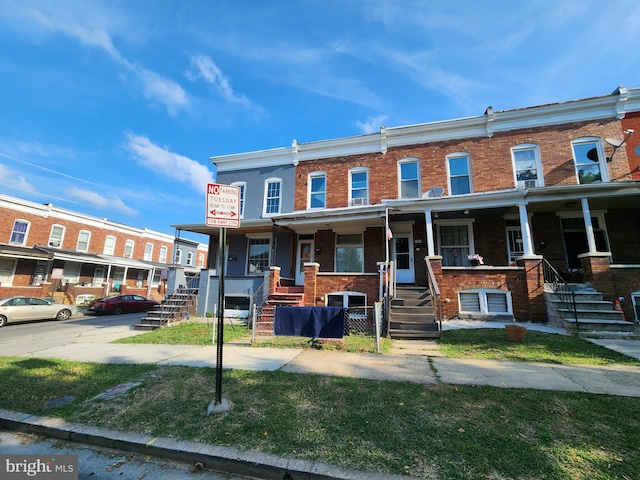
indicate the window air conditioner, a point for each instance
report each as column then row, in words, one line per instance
column 358, row 201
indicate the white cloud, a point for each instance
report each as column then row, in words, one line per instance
column 204, row 67
column 96, row 200
column 171, row 165
column 12, row 179
column 372, row 124
column 163, row 90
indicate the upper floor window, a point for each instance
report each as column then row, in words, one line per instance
column 83, row 241
column 148, row 251
column 526, row 166
column 163, row 254
column 359, row 186
column 349, row 253
column 258, row 258
column 272, row 196
column 408, row 171
column 190, row 259
column 109, row 245
column 317, row 190
column 178, row 257
column 201, row 260
column 128, row 248
column 19, row 232
column 589, row 161
column 458, row 170
column 243, row 188
column 56, row 236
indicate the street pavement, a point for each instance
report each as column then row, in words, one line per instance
column 409, row 361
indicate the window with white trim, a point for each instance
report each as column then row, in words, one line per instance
column 459, row 173
column 317, row 190
column 190, row 258
column 163, row 254
column 455, row 242
column 527, row 168
column 109, row 245
column 359, row 186
column 178, row 256
column 272, row 196
column 485, row 301
column 349, row 253
column 409, row 178
column 56, row 236
column 20, row 232
column 346, row 299
column 128, row 248
column 148, row 251
column 243, row 188
column 259, row 250
column 590, row 161
column 201, row 260
column 83, row 241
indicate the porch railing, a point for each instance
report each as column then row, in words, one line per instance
column 562, row 289
column 435, row 293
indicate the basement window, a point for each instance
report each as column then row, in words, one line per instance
column 485, row 301
column 236, row 306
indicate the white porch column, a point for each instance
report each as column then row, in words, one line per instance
column 586, row 213
column 429, row 228
column 527, row 243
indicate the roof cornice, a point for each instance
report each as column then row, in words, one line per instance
column 614, row 105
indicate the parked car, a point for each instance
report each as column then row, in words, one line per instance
column 14, row 309
column 121, row 304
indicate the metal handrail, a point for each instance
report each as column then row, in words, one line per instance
column 435, row 293
column 562, row 290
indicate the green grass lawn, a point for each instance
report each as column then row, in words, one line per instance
column 437, row 432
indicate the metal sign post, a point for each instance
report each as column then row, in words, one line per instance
column 223, row 204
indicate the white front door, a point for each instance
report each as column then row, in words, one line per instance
column 304, row 255
column 7, row 269
column 403, row 256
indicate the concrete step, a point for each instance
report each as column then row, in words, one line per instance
column 598, row 325
column 418, row 310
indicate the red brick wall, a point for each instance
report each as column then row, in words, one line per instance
column 626, row 281
column 632, row 121
column 491, row 164
column 367, row 284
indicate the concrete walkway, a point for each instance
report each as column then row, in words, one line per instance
column 409, row 361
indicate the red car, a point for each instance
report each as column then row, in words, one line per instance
column 121, row 304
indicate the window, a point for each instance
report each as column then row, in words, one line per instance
column 178, row 257
column 109, row 245
column 349, row 253
column 481, row 301
column 163, row 254
column 458, row 170
column 128, row 248
column 243, row 187
column 272, row 194
column 454, row 242
column 526, row 166
column 19, row 232
column 258, row 258
column 589, row 160
column 190, row 259
column 515, row 243
column 83, row 241
column 317, row 190
column 56, row 236
column 346, row 299
column 201, row 260
column 148, row 251
column 359, row 186
column 408, row 170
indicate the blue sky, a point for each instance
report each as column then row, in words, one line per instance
column 113, row 108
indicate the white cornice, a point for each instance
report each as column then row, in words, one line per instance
column 614, row 105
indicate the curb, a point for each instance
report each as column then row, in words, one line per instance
column 217, row 458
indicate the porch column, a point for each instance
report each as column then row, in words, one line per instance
column 429, row 228
column 274, row 279
column 527, row 243
column 586, row 213
column 310, row 283
column 534, row 289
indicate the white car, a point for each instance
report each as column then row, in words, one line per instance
column 15, row 309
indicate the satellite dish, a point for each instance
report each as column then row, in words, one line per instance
column 614, row 142
column 434, row 192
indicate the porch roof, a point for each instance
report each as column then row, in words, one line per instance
column 17, row 251
column 95, row 258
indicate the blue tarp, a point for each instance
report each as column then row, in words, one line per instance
column 313, row 322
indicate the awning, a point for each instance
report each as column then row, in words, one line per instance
column 16, row 251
